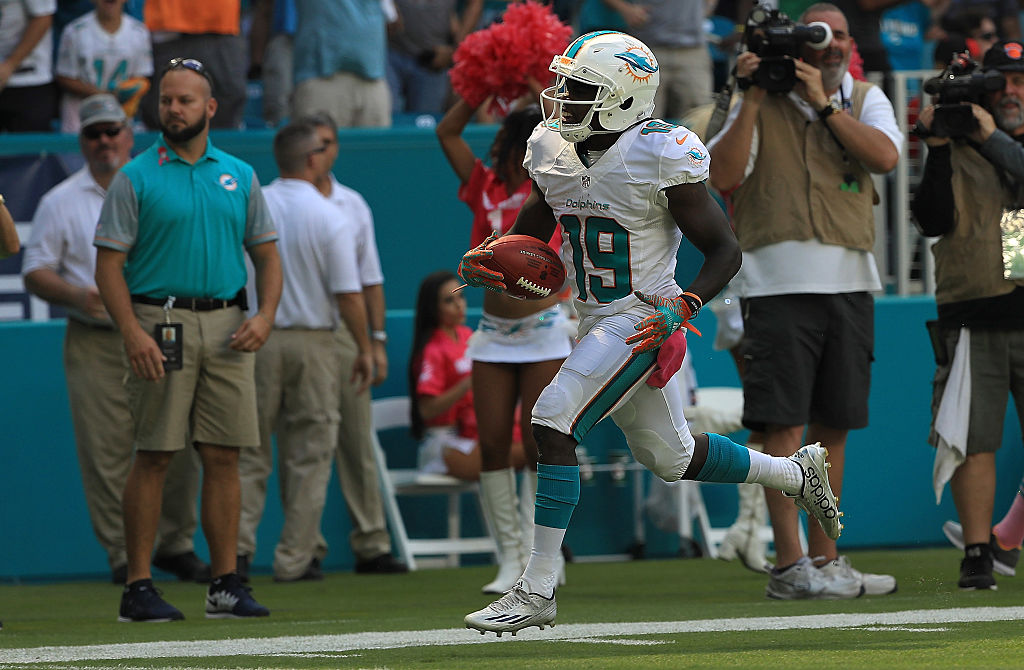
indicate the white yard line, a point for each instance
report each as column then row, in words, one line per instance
column 319, row 644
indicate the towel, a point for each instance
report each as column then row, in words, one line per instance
column 953, row 417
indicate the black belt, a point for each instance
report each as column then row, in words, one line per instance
column 196, row 304
column 109, row 327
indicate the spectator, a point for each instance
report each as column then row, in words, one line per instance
column 518, row 345
column 9, row 243
column 439, row 381
column 300, row 370
column 208, row 31
column 420, row 48
column 271, row 55
column 341, row 62
column 799, row 168
column 104, row 51
column 356, row 465
column 58, row 267
column 170, row 262
column 975, row 25
column 966, row 197
column 1004, row 13
column 674, row 29
column 27, row 93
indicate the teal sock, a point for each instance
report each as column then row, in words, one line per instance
column 727, row 461
column 558, row 493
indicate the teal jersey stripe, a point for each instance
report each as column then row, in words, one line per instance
column 624, row 379
column 575, row 47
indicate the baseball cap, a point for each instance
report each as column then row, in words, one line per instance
column 100, row 108
column 1005, row 56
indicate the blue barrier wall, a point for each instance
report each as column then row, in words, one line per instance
column 888, row 499
column 421, row 226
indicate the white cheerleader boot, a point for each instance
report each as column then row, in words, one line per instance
column 743, row 539
column 498, row 499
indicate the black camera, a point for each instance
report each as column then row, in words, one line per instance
column 960, row 84
column 777, row 40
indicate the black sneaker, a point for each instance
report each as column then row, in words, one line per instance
column 313, row 573
column 141, row 601
column 228, row 598
column 976, row 568
column 242, row 567
column 187, row 567
column 385, row 564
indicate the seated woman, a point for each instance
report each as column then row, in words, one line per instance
column 439, row 382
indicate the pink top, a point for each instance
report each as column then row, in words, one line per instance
column 444, row 364
column 494, row 210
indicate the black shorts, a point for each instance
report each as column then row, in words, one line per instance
column 807, row 359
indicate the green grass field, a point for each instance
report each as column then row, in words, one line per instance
column 642, row 614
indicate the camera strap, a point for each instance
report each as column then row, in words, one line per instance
column 849, row 181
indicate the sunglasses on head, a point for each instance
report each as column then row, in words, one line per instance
column 93, row 133
column 189, row 64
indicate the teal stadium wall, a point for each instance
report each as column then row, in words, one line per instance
column 421, row 226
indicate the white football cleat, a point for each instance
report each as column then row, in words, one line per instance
column 514, row 611
column 816, row 496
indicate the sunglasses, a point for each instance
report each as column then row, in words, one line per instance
column 189, row 64
column 319, row 150
column 988, row 36
column 92, row 133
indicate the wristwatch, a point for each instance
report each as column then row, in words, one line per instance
column 828, row 110
column 379, row 335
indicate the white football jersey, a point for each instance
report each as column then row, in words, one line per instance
column 617, row 233
column 89, row 53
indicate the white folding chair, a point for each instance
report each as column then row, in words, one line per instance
column 389, row 413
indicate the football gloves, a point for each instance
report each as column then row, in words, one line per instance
column 475, row 274
column 670, row 315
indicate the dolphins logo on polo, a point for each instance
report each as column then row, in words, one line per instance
column 228, row 182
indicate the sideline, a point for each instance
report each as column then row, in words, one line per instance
column 318, row 644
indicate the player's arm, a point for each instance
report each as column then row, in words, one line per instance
column 705, row 225
column 9, row 242
column 703, row 222
column 536, row 217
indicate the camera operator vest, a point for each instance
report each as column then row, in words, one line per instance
column 796, row 190
column 969, row 258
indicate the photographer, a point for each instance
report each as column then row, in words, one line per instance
column 798, row 165
column 970, row 195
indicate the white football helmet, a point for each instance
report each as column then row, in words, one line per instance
column 625, row 73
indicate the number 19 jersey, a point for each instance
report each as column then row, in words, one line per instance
column 617, row 233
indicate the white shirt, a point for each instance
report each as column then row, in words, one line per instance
column 90, row 54
column 617, row 233
column 37, row 68
column 810, row 266
column 317, row 250
column 62, row 232
column 358, row 212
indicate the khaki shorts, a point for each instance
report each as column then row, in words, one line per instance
column 213, row 396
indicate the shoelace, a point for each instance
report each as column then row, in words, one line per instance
column 512, row 599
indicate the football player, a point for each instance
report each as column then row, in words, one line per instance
column 625, row 188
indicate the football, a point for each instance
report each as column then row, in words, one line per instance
column 531, row 269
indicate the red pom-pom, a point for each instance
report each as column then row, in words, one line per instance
column 497, row 60
column 856, row 68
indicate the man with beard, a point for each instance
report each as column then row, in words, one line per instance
column 59, row 265
column 970, row 195
column 171, row 272
column 798, row 167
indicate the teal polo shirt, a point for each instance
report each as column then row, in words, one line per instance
column 184, row 227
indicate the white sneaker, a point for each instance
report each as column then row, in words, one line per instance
column 803, row 581
column 874, row 585
column 514, row 611
column 816, row 497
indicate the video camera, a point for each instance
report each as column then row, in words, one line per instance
column 777, row 40
column 960, row 84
